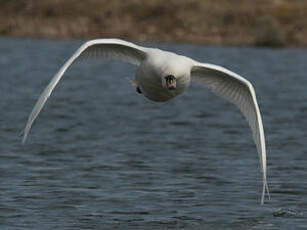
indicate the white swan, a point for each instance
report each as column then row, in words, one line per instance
column 162, row 75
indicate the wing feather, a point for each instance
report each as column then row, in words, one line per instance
column 240, row 92
column 105, row 48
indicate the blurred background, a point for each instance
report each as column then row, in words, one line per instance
column 231, row 22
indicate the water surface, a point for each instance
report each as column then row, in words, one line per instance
column 101, row 156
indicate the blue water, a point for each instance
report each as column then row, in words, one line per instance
column 101, row 156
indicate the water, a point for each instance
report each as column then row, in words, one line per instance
column 101, row 156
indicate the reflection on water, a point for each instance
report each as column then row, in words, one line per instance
column 100, row 155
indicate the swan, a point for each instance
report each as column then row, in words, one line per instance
column 162, row 75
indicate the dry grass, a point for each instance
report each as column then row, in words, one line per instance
column 236, row 22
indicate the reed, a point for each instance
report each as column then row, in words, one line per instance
column 231, row 22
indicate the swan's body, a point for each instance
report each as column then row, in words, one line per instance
column 163, row 75
column 148, row 75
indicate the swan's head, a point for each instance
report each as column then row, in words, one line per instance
column 169, row 82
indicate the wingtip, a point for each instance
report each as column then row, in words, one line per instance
column 24, row 139
column 265, row 191
column 263, row 194
column 24, row 136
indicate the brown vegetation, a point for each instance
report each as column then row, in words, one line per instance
column 236, row 22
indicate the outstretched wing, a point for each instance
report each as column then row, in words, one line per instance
column 110, row 48
column 240, row 92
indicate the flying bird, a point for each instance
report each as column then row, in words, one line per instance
column 162, row 75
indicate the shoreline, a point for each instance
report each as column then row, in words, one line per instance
column 275, row 24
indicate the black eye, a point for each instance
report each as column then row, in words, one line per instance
column 170, row 77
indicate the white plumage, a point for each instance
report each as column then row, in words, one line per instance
column 156, row 75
